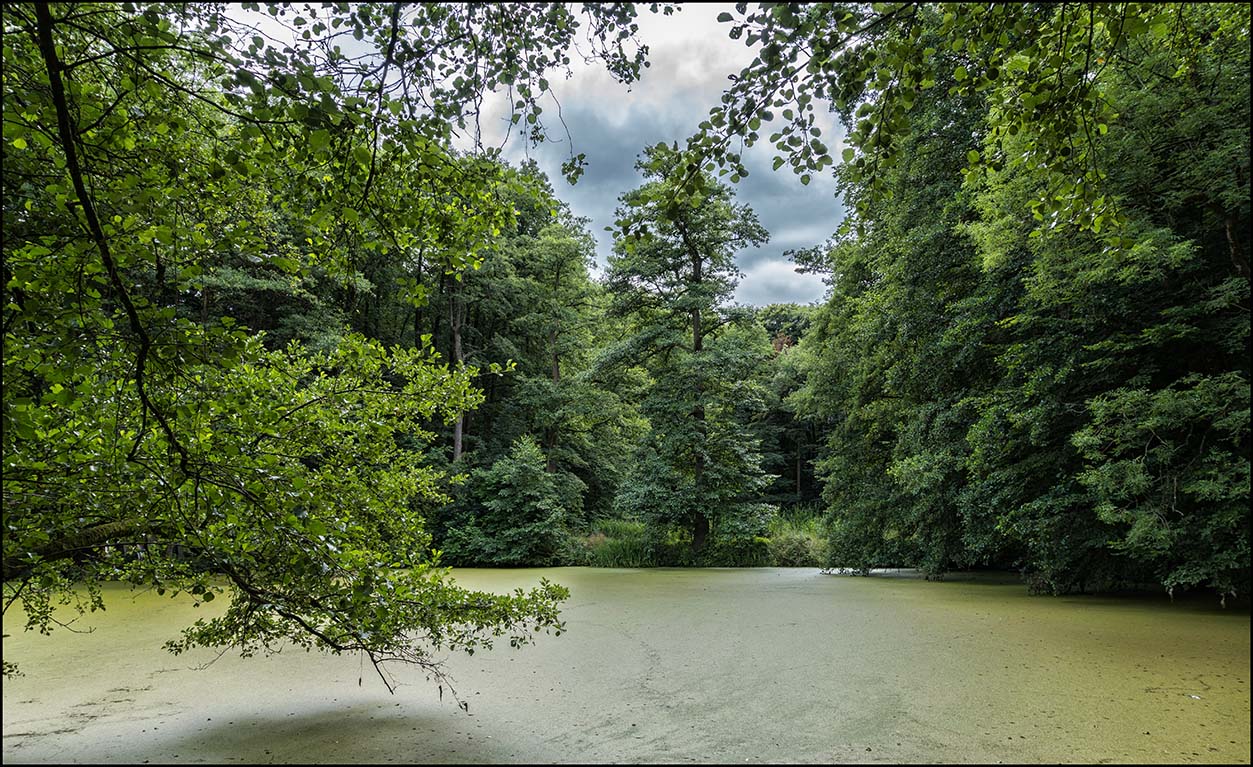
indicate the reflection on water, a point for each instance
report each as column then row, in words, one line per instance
column 712, row 665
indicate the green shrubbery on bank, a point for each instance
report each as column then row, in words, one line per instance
column 788, row 540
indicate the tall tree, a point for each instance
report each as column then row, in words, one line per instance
column 674, row 279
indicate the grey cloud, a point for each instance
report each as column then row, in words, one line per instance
column 776, row 281
column 611, row 125
column 797, row 216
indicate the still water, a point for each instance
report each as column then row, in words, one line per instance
column 709, row 665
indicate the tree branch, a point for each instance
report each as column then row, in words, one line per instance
column 68, row 137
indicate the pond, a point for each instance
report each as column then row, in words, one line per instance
column 701, row 665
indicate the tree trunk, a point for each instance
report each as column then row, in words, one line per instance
column 442, row 292
column 697, row 343
column 550, row 440
column 1233, row 248
column 700, row 531
column 552, row 341
column 799, row 444
column 456, row 317
column 417, row 310
column 93, row 537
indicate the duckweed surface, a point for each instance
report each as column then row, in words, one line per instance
column 713, row 665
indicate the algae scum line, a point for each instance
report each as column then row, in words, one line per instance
column 712, row 665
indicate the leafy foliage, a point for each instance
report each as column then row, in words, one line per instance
column 698, row 467
column 522, row 514
column 171, row 171
column 1045, row 71
column 1010, row 383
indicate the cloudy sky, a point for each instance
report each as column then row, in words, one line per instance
column 691, row 57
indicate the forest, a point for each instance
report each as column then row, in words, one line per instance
column 273, row 333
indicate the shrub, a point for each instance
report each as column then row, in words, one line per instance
column 739, row 539
column 751, row 551
column 520, row 518
column 797, row 540
column 618, row 543
column 618, row 528
column 621, row 552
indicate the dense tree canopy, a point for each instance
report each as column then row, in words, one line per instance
column 171, row 169
column 268, row 334
column 1015, row 383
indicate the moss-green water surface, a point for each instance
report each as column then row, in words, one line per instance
column 711, row 665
